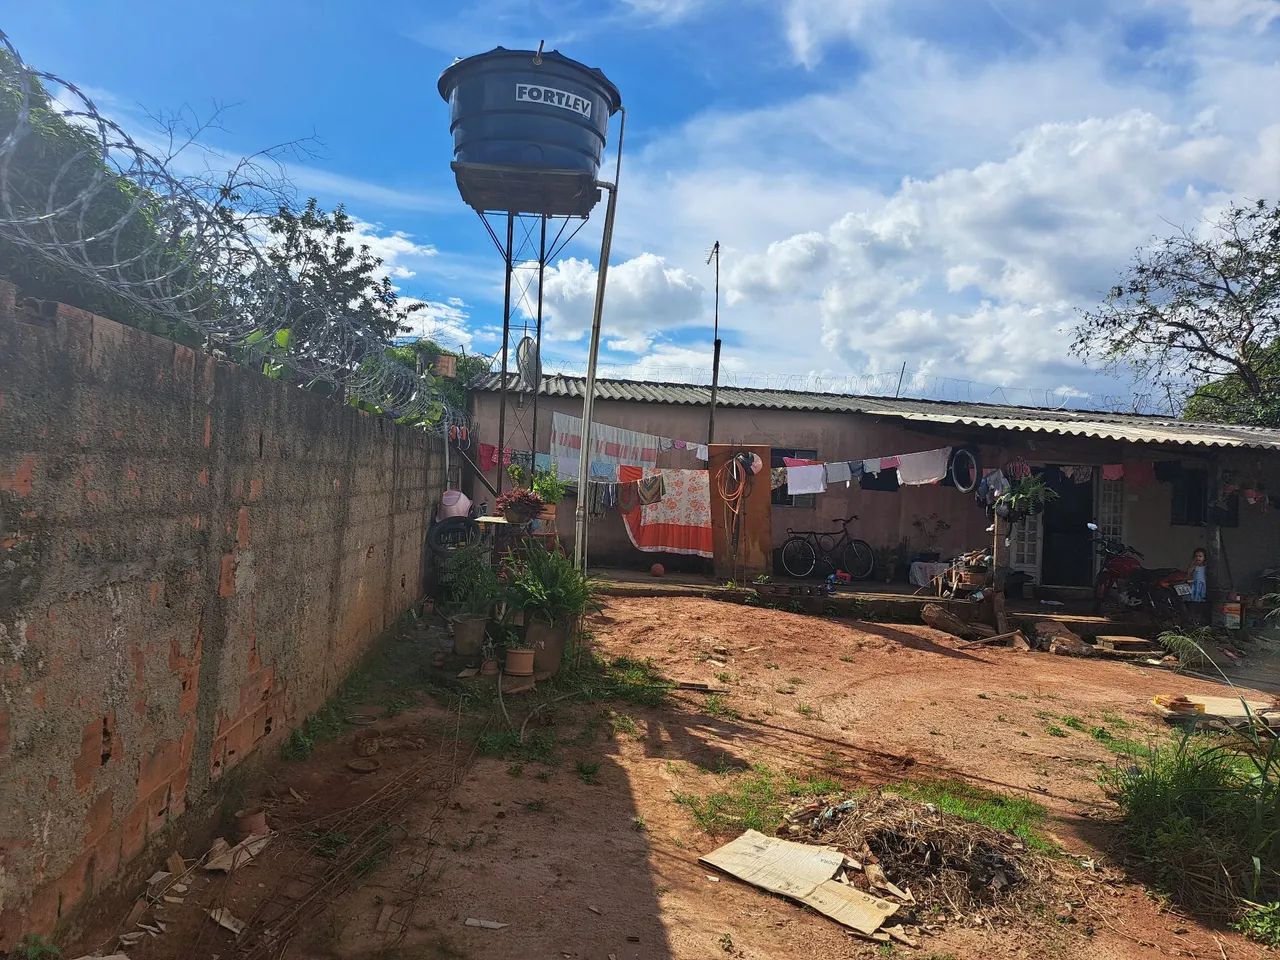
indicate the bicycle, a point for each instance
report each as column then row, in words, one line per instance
column 803, row 548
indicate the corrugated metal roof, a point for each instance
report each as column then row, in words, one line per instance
column 1135, row 428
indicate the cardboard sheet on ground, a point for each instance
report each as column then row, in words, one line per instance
column 801, row 872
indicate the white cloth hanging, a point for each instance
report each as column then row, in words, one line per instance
column 928, row 466
column 801, row 480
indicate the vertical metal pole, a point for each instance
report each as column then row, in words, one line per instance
column 588, row 401
column 537, row 387
column 506, row 335
column 715, row 356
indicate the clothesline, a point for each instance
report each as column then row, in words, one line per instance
column 873, row 473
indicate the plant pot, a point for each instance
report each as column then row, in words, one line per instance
column 468, row 635
column 548, row 513
column 547, row 641
column 519, row 662
column 489, row 668
column 518, row 517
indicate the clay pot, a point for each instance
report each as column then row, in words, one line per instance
column 251, row 822
column 519, row 662
column 548, row 643
column 366, row 743
column 468, row 635
column 489, row 668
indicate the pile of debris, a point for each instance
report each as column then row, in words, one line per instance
column 892, row 868
column 938, row 864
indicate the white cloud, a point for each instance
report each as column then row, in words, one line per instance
column 813, row 24
column 642, row 295
column 638, row 344
column 447, row 323
column 1256, row 14
column 396, row 248
column 664, row 11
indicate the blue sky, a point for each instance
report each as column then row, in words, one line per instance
column 937, row 183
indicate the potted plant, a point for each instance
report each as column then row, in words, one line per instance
column 473, row 588
column 518, row 655
column 548, row 485
column 1025, row 498
column 930, row 527
column 519, row 505
column 886, row 561
column 553, row 595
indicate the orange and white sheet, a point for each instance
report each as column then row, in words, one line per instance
column 678, row 523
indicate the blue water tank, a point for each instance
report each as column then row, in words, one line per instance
column 528, row 130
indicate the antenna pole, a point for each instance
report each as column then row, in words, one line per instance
column 901, row 373
column 715, row 353
column 537, row 387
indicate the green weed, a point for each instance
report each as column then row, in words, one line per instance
column 1054, row 730
column 588, row 771
column 753, row 799
column 638, row 824
column 35, row 947
column 621, row 723
column 999, row 812
column 718, row 706
column 723, row 676
column 1075, row 723
column 1261, row 922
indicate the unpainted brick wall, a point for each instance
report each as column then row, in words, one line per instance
column 192, row 558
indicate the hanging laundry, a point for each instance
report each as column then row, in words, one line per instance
column 888, row 463
column 806, row 479
column 777, row 478
column 883, row 480
column 798, row 462
column 855, row 469
column 665, row 444
column 871, row 467
column 837, row 472
column 603, row 469
column 680, row 522
column 679, row 444
column 928, row 466
column 520, row 458
column 607, row 443
column 1168, row 471
column 1139, row 473
column 700, row 451
column 628, row 494
column 596, row 505
column 650, row 489
column 487, row 456
column 1113, row 471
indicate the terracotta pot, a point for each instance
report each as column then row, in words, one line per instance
column 468, row 635
column 489, row 668
column 519, row 662
column 548, row 643
column 548, row 513
column 512, row 515
column 251, row 823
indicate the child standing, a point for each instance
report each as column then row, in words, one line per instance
column 1197, row 575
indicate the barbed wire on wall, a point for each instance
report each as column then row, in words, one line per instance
column 183, row 248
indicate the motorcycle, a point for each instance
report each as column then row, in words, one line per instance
column 1124, row 581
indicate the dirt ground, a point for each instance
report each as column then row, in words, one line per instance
column 582, row 852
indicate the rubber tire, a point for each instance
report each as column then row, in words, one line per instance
column 975, row 477
column 806, row 557
column 859, row 559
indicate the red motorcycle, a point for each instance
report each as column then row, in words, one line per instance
column 1125, row 582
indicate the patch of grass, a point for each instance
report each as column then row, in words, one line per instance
column 724, row 677
column 718, row 706
column 845, row 658
column 1016, row 815
column 588, row 771
column 1054, row 730
column 329, row 843
column 1203, row 814
column 1075, row 723
column 726, row 943
column 535, row 806
column 1101, row 734
column 753, row 799
column 1018, row 696
column 638, row 824
column 515, row 770
column 785, row 690
column 538, row 747
column 1261, row 922
column 1116, row 721
column 805, row 710
column 35, row 947
column 621, row 723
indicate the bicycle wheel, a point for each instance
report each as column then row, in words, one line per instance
column 798, row 557
column 859, row 561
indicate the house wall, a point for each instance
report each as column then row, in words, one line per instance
column 885, row 519
column 192, row 557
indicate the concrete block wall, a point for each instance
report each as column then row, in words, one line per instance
column 192, row 558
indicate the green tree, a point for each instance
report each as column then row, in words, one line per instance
column 1198, row 316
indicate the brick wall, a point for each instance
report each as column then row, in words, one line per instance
column 192, row 557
